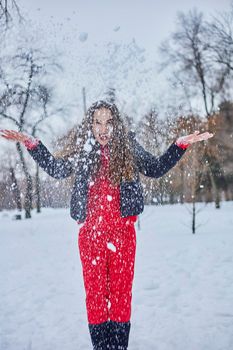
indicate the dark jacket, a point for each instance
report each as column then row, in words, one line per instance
column 131, row 192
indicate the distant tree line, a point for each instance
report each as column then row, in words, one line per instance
column 205, row 173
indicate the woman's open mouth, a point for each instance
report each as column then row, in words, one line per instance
column 103, row 137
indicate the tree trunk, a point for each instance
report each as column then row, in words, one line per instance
column 28, row 195
column 215, row 190
column 194, row 189
column 38, row 201
column 194, row 216
column 16, row 193
column 217, row 199
column 182, row 184
column 171, row 198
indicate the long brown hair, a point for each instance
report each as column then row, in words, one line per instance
column 80, row 144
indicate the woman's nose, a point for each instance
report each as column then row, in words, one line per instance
column 104, row 128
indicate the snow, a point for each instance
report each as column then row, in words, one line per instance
column 183, row 285
column 87, row 147
column 111, row 247
column 83, row 36
column 109, row 198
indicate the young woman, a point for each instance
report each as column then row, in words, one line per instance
column 106, row 198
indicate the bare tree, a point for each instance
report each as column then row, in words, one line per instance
column 220, row 39
column 9, row 167
column 8, row 11
column 188, row 52
column 24, row 101
column 197, row 67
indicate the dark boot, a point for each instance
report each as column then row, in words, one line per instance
column 119, row 335
column 99, row 336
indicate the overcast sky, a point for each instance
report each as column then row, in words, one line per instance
column 148, row 21
column 65, row 23
column 82, row 29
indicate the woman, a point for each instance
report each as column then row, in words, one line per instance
column 106, row 198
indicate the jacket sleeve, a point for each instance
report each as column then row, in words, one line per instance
column 152, row 166
column 56, row 167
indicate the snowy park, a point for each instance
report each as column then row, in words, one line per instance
column 116, row 129
column 183, row 284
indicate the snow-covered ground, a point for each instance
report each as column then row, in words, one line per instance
column 183, row 286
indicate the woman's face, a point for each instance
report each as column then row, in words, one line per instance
column 102, row 126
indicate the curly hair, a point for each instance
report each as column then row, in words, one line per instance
column 81, row 143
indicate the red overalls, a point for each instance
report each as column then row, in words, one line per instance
column 107, row 244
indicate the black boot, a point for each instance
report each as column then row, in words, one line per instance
column 119, row 335
column 99, row 336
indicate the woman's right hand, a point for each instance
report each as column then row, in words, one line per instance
column 29, row 141
column 14, row 135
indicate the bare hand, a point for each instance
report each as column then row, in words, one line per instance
column 14, row 135
column 195, row 137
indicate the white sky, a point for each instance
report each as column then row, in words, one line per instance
column 60, row 24
column 148, row 21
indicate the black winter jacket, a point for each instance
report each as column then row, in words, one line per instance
column 131, row 192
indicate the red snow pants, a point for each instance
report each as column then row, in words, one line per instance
column 107, row 257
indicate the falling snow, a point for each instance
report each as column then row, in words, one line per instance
column 83, row 36
column 111, row 247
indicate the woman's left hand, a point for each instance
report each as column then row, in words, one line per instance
column 195, row 137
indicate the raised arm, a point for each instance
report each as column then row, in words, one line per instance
column 56, row 167
column 152, row 166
